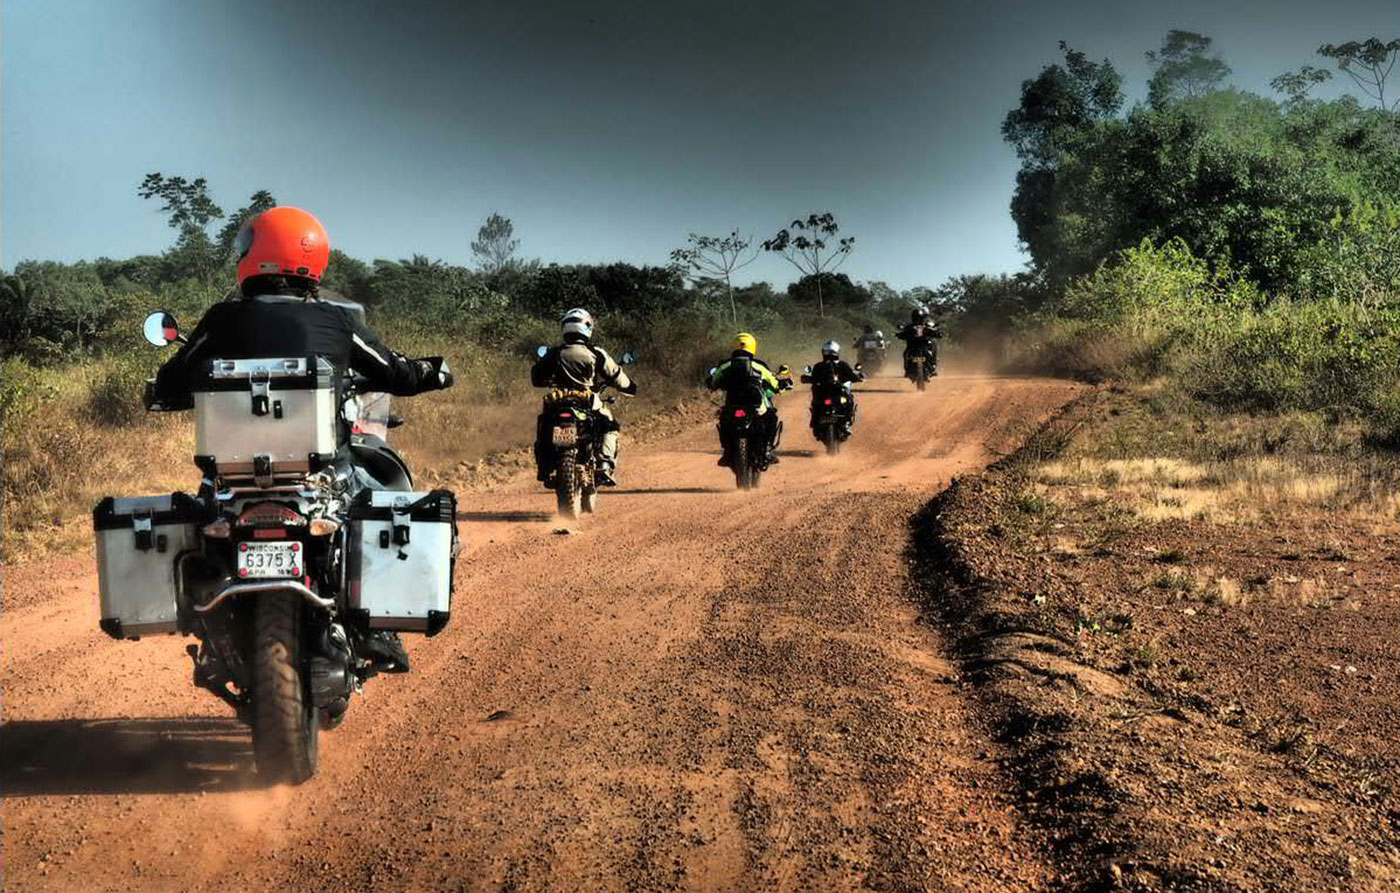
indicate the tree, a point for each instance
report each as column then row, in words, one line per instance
column 1060, row 102
column 1059, row 108
column 261, row 200
column 191, row 210
column 1368, row 63
column 349, row 276
column 717, row 257
column 1296, row 84
column 881, row 292
column 805, row 245
column 495, row 246
column 15, row 315
column 837, row 289
column 1185, row 68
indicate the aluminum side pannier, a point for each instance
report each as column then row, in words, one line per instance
column 403, row 546
column 140, row 543
column 266, row 418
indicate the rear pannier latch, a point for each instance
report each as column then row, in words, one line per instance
column 141, row 523
column 258, row 384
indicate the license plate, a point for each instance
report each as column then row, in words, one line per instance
column 260, row 560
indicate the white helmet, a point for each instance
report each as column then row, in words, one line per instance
column 831, row 349
column 578, row 322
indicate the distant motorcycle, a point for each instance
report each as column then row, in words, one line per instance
column 833, row 411
column 571, row 442
column 872, row 353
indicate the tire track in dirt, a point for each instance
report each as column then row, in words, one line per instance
column 695, row 689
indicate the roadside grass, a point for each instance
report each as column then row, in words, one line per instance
column 1163, row 458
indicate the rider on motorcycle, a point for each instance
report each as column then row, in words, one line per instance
column 282, row 254
column 870, row 339
column 832, row 376
column 920, row 336
column 740, row 373
column 578, row 365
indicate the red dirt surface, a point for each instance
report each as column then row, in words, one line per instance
column 696, row 689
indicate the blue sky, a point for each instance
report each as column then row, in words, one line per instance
column 606, row 131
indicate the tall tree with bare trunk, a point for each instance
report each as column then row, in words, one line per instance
column 812, row 246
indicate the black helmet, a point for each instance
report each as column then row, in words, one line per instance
column 918, row 314
column 869, row 328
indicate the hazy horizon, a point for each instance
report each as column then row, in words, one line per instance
column 605, row 132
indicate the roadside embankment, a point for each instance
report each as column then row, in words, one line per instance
column 1182, row 626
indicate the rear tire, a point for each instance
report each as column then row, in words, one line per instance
column 829, row 438
column 743, row 472
column 921, row 377
column 284, row 722
column 566, row 486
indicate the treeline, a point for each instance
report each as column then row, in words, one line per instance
column 53, row 312
column 1245, row 246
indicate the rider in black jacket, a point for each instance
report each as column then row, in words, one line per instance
column 920, row 336
column 282, row 254
column 830, row 377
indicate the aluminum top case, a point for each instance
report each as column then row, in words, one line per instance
column 266, row 418
column 403, row 546
column 139, row 544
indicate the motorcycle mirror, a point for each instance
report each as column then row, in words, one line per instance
column 807, row 369
column 712, row 370
column 541, row 351
column 161, row 329
column 629, row 357
column 784, row 370
column 859, row 367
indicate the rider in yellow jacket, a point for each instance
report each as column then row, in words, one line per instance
column 744, row 375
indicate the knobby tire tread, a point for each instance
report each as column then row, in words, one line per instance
column 284, row 726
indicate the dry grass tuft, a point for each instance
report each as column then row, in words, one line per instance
column 1246, row 488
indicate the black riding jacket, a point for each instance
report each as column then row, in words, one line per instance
column 830, row 375
column 286, row 326
column 919, row 337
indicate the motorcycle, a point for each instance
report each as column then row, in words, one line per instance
column 304, row 545
column 569, row 443
column 743, row 433
column 873, row 357
column 833, row 412
column 921, row 365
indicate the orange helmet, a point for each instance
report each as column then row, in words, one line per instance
column 282, row 241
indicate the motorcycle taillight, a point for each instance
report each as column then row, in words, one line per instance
column 739, row 413
column 268, row 513
column 827, row 401
column 566, row 415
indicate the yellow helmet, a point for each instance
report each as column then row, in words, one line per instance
column 745, row 341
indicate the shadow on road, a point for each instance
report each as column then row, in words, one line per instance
column 124, row 756
column 885, row 391
column 797, row 454
column 642, row 490
column 505, row 516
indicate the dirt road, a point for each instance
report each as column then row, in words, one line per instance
column 696, row 689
